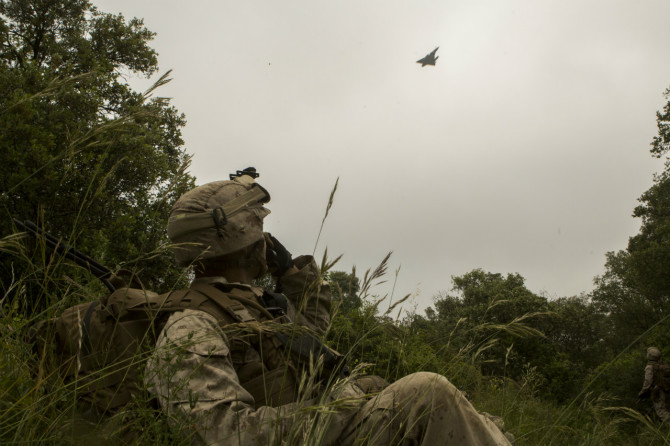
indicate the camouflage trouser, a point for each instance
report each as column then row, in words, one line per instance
column 420, row 409
column 192, row 376
column 660, row 400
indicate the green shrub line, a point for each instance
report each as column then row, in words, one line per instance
column 100, row 165
column 37, row 407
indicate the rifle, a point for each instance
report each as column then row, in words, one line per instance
column 103, row 273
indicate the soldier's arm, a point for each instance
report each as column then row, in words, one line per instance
column 192, row 376
column 648, row 381
column 648, row 377
column 309, row 294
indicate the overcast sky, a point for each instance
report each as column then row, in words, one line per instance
column 523, row 150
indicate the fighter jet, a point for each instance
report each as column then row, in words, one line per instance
column 429, row 59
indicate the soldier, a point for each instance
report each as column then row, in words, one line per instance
column 654, row 384
column 256, row 374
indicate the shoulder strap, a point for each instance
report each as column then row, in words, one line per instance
column 231, row 306
column 86, row 329
column 235, row 302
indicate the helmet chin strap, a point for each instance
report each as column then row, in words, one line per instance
column 259, row 256
column 253, row 260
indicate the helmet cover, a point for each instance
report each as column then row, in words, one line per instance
column 217, row 218
column 653, row 354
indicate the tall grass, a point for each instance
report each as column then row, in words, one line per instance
column 394, row 350
column 38, row 406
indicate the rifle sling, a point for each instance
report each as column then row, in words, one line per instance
column 86, row 329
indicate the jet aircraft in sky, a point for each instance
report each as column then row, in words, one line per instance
column 429, row 59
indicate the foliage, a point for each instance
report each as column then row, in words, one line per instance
column 356, row 328
column 661, row 143
column 620, row 377
column 97, row 163
column 566, row 390
column 81, row 153
column 345, row 288
column 634, row 290
column 578, row 328
column 498, row 317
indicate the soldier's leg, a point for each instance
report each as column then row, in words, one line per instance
column 660, row 405
column 421, row 409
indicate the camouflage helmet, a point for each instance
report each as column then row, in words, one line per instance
column 653, row 354
column 217, row 218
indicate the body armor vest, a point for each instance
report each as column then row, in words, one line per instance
column 102, row 347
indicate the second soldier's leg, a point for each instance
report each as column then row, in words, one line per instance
column 421, row 409
column 660, row 405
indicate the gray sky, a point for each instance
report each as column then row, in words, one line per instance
column 523, row 150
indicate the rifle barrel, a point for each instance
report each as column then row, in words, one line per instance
column 100, row 271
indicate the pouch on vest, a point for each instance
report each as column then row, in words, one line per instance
column 662, row 376
column 101, row 347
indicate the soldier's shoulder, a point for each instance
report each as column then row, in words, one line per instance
column 190, row 319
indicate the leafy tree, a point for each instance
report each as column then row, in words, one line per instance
column 500, row 322
column 661, row 143
column 578, row 329
column 81, row 152
column 345, row 288
column 628, row 311
column 635, row 289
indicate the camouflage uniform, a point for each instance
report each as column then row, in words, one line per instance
column 420, row 407
column 658, row 395
column 196, row 370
